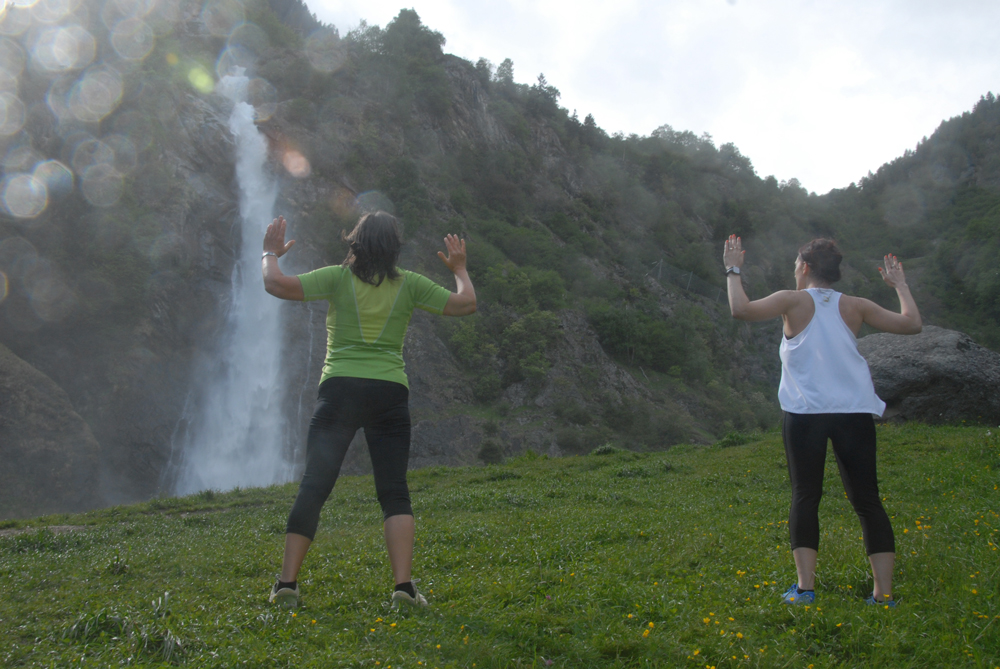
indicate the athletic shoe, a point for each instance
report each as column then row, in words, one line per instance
column 793, row 597
column 400, row 597
column 887, row 603
column 284, row 597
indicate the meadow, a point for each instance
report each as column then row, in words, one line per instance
column 613, row 559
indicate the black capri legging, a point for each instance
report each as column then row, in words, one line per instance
column 346, row 404
column 853, row 437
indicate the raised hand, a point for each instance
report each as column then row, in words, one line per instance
column 274, row 237
column 892, row 271
column 455, row 260
column 732, row 253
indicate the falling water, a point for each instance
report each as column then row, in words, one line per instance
column 235, row 429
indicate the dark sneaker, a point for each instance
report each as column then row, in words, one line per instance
column 284, row 597
column 793, row 597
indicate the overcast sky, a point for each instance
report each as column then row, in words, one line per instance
column 819, row 91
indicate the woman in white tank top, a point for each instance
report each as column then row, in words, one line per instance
column 826, row 393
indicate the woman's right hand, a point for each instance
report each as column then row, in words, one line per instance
column 732, row 253
column 274, row 238
column 455, row 260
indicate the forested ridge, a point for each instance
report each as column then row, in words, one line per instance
column 556, row 197
column 117, row 286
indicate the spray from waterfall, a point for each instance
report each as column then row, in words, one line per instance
column 235, row 430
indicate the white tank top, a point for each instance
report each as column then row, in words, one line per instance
column 821, row 369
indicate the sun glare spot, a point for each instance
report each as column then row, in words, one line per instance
column 172, row 59
column 201, row 80
column 296, row 164
column 24, row 196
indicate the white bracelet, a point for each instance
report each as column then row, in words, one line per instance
column 268, row 253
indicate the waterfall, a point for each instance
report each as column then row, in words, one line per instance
column 235, row 431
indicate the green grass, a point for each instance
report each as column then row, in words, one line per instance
column 673, row 559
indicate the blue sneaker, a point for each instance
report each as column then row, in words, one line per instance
column 795, row 598
column 887, row 603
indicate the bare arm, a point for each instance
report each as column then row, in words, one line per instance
column 463, row 301
column 782, row 303
column 908, row 320
column 275, row 282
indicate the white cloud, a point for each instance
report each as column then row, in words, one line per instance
column 823, row 92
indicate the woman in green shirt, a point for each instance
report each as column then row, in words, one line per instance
column 364, row 383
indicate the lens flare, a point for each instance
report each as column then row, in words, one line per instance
column 12, row 57
column 264, row 98
column 11, row 114
column 24, row 196
column 163, row 17
column 123, row 157
column 233, row 60
column 58, row 178
column 96, row 94
column 60, row 49
column 51, row 299
column 89, row 153
column 372, row 201
column 17, row 255
column 325, row 51
column 250, row 38
column 114, row 11
column 52, row 11
column 57, row 96
column 14, row 20
column 132, row 39
column 20, row 159
column 296, row 164
column 201, row 80
column 102, row 185
column 221, row 16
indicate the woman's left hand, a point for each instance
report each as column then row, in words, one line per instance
column 892, row 271
column 455, row 260
column 274, row 238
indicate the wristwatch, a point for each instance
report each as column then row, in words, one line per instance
column 733, row 270
column 268, row 253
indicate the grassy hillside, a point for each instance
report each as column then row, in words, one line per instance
column 672, row 559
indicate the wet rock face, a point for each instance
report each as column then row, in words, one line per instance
column 937, row 376
column 51, row 461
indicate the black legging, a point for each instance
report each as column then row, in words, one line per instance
column 853, row 437
column 344, row 405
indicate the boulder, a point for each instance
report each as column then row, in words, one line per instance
column 937, row 376
column 51, row 460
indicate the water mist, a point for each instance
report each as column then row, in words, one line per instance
column 234, row 425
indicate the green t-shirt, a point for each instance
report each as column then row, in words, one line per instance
column 366, row 324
